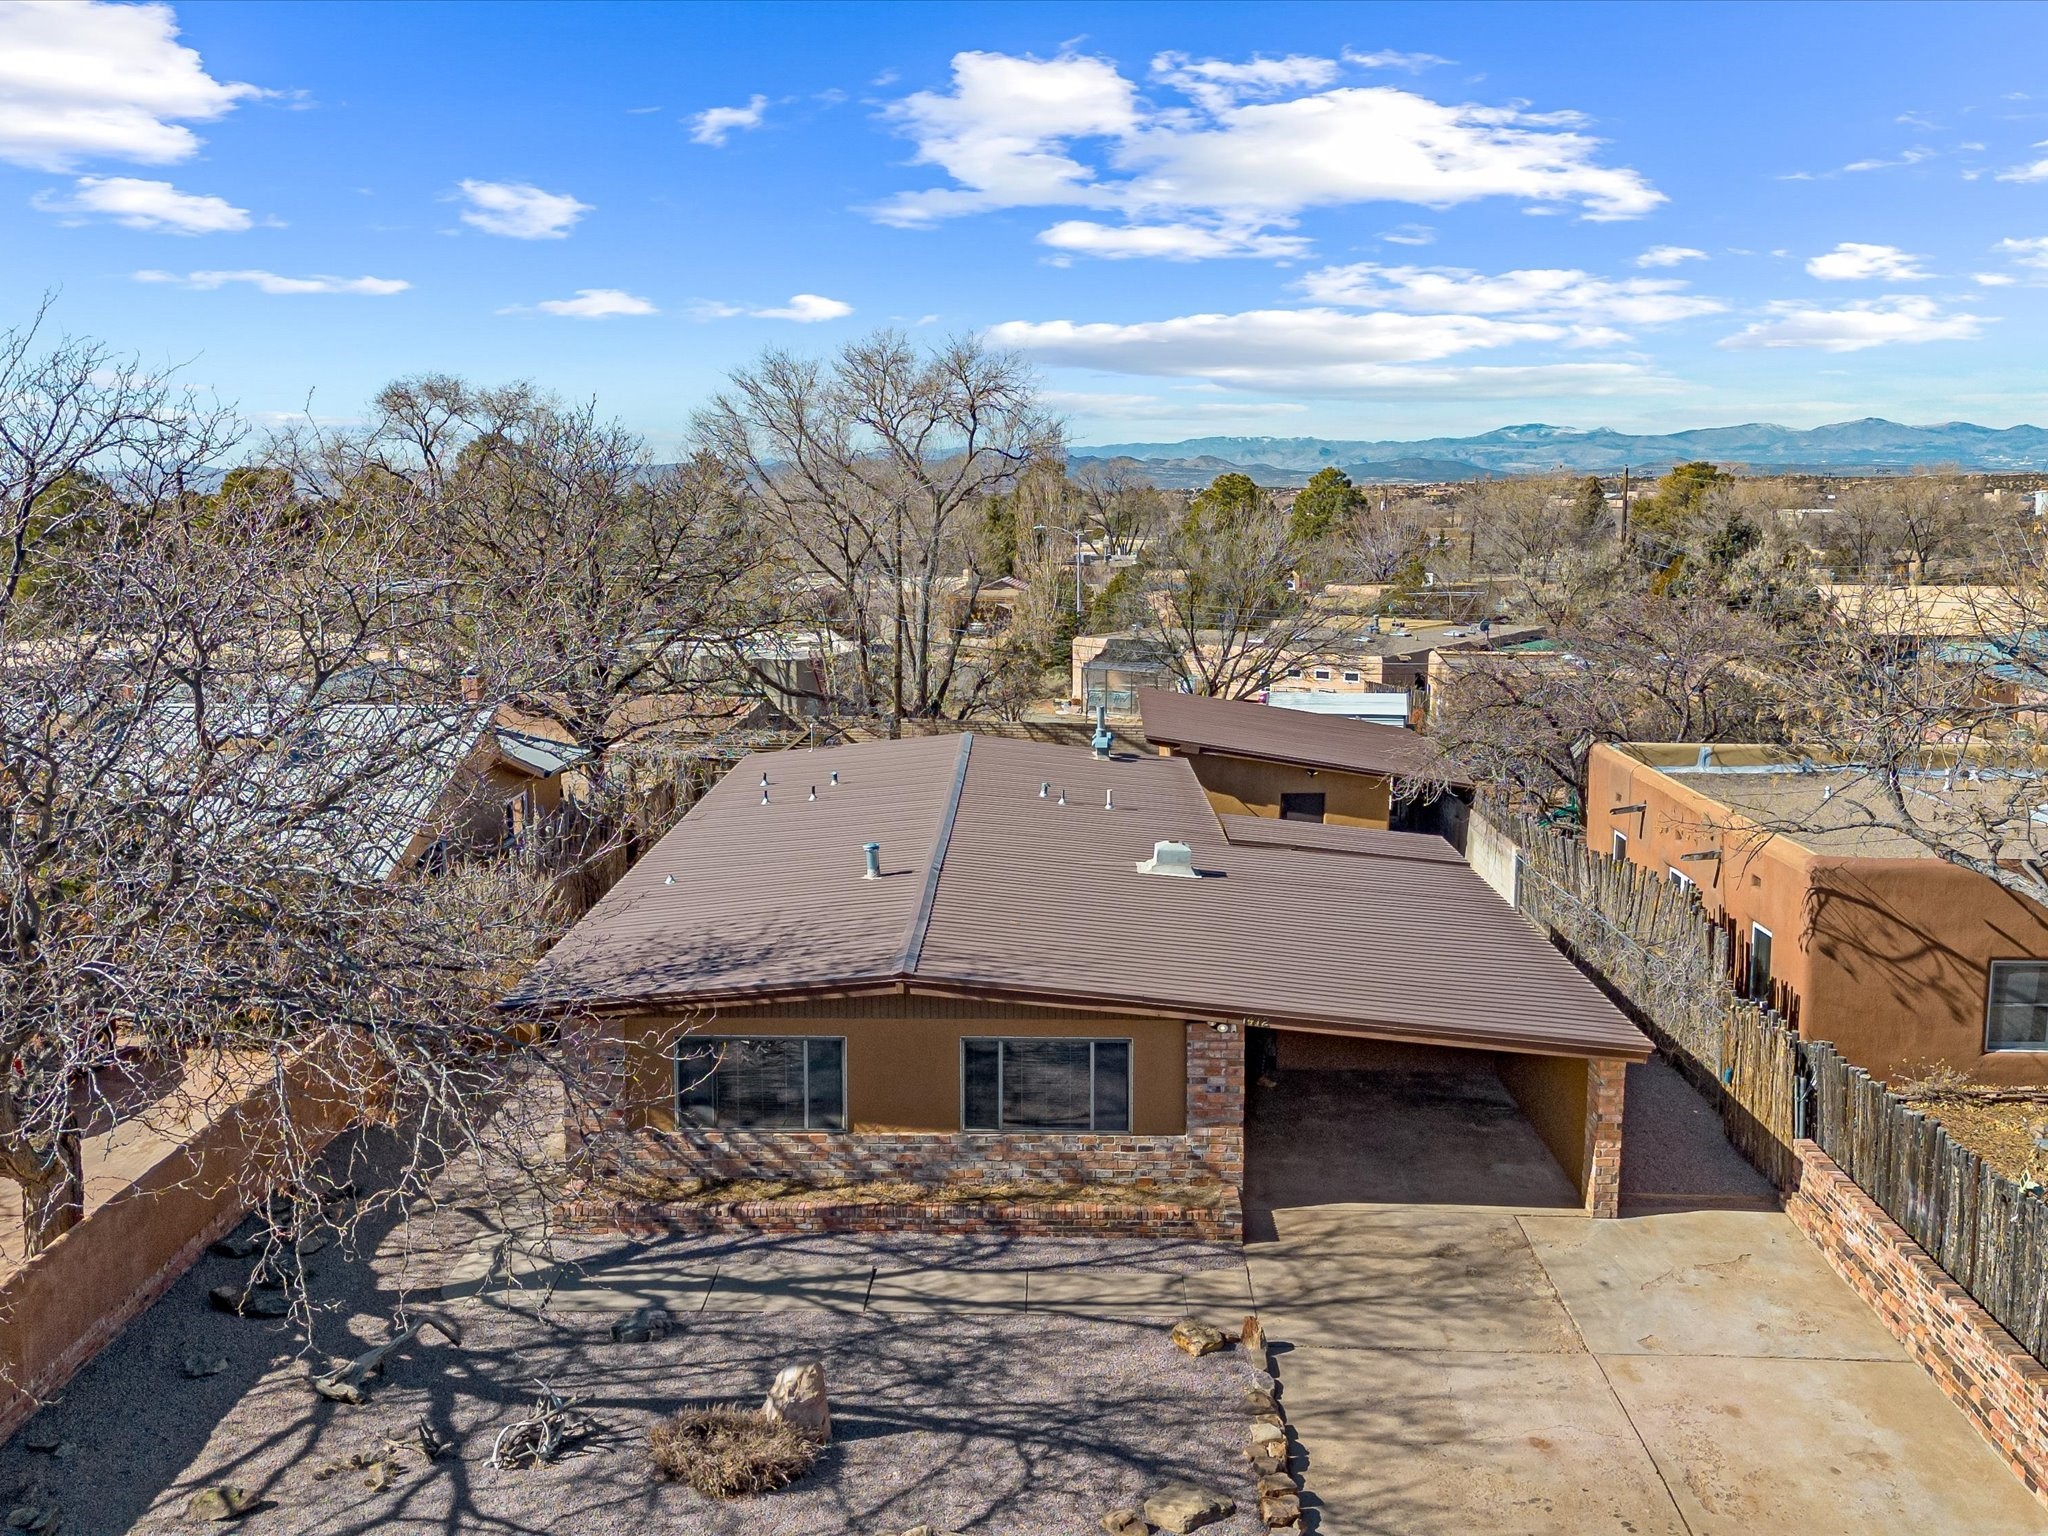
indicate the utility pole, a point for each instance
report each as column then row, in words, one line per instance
column 1621, row 533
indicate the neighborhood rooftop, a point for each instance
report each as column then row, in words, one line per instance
column 1239, row 728
column 991, row 887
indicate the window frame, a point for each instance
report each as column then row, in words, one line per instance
column 1002, row 1042
column 1763, row 993
column 1684, row 882
column 1618, row 846
column 675, row 1057
column 1991, row 971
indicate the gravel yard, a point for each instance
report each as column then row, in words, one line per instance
column 984, row 1422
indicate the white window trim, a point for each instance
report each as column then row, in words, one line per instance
column 1618, row 846
column 1990, row 991
column 1681, row 879
column 675, row 1094
column 1749, row 977
column 1091, row 1041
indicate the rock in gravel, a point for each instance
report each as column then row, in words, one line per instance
column 1280, row 1511
column 198, row 1363
column 797, row 1399
column 1275, row 1483
column 1192, row 1338
column 236, row 1247
column 1265, row 1434
column 44, row 1438
column 33, row 1518
column 1182, row 1507
column 238, row 1302
column 1125, row 1522
column 1259, row 1401
column 1253, row 1336
column 642, row 1325
column 223, row 1501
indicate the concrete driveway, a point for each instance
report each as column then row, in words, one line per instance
column 1454, row 1364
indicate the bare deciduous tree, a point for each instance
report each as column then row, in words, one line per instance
column 869, row 473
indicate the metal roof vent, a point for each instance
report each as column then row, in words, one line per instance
column 1170, row 859
column 874, row 854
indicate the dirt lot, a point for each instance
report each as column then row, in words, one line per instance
column 984, row 1422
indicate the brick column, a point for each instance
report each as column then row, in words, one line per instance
column 1605, row 1081
column 1215, row 1110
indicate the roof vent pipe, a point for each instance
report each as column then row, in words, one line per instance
column 814, row 791
column 764, row 781
column 874, row 853
column 1063, row 797
column 835, row 778
column 1170, row 859
column 764, row 797
column 1044, row 789
column 1706, row 758
column 1109, row 799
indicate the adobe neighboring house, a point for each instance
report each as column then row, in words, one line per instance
column 965, row 960
column 1857, row 934
column 1256, row 760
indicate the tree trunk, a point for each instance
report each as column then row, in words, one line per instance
column 54, row 1202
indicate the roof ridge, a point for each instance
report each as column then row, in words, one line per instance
column 921, row 920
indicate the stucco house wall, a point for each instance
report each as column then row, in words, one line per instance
column 1238, row 786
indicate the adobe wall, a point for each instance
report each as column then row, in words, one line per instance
column 63, row 1305
column 1239, row 786
column 1982, row 1368
column 1887, row 959
column 1575, row 1104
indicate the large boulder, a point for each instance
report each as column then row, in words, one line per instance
column 1182, row 1507
column 798, row 1399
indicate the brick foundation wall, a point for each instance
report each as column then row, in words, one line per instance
column 2002, row 1388
column 1605, row 1081
column 619, row 1159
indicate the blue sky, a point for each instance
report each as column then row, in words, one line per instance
column 1353, row 221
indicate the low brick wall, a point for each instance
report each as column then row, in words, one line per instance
column 1605, row 1085
column 592, row 1211
column 622, row 1184
column 2002, row 1388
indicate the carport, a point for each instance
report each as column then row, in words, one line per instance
column 1342, row 1120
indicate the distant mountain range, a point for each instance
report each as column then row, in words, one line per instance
column 1869, row 446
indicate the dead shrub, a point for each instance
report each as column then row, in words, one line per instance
column 727, row 1452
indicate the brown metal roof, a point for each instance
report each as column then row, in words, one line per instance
column 1240, row 728
column 991, row 889
column 1325, row 837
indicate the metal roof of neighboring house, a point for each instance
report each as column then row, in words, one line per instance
column 1326, row 837
column 1236, row 728
column 990, row 889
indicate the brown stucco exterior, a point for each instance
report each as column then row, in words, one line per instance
column 903, row 1057
column 1887, row 959
column 1240, row 786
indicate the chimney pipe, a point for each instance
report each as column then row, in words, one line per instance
column 874, row 853
column 835, row 778
column 472, row 687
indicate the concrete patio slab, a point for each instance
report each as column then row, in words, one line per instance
column 1441, row 1443
column 1413, row 1279
column 1107, row 1293
column 1818, row 1448
column 947, row 1290
column 750, row 1288
column 1704, row 1283
column 1222, row 1298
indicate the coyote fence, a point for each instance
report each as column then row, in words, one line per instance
column 1670, row 967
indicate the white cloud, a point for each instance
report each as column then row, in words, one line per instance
column 2026, row 253
column 139, row 204
column 1669, row 255
column 594, row 304
column 1855, row 327
column 1218, row 83
column 271, row 282
column 1073, row 132
column 803, row 308
column 1562, row 295
column 1409, row 234
column 1392, row 58
column 1173, row 242
column 1853, row 261
column 1993, row 279
column 2037, row 171
column 1315, row 351
column 1318, row 352
column 95, row 81
column 519, row 211
column 712, row 125
column 1133, row 407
